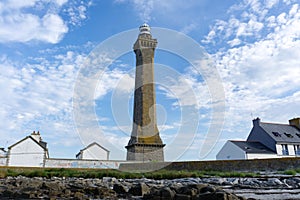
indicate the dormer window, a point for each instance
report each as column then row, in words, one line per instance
column 288, row 135
column 276, row 134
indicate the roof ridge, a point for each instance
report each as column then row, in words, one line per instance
column 275, row 123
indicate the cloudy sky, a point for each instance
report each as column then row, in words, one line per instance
column 46, row 45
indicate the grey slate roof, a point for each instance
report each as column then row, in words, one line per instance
column 252, row 147
column 282, row 132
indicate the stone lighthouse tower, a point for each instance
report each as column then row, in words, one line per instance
column 145, row 143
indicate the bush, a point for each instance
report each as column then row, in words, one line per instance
column 290, row 172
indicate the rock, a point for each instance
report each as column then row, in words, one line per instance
column 80, row 196
column 207, row 189
column 188, row 190
column 119, row 188
column 139, row 189
column 111, row 188
column 56, row 186
column 274, row 182
column 213, row 196
column 182, row 197
column 153, row 194
column 167, row 193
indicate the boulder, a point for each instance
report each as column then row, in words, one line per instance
column 119, row 188
column 167, row 193
column 139, row 189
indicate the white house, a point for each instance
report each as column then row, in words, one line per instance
column 266, row 140
column 3, row 153
column 241, row 150
column 93, row 151
column 28, row 152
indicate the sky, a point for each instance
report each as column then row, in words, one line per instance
column 218, row 65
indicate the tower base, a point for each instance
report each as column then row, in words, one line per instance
column 145, row 152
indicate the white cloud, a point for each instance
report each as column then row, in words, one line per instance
column 234, row 42
column 61, row 2
column 77, row 11
column 116, row 79
column 261, row 78
column 38, row 97
column 53, row 27
column 143, row 7
column 33, row 20
column 21, row 26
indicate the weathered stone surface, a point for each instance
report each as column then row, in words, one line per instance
column 112, row 188
column 145, row 143
column 182, row 197
column 207, row 189
column 120, row 189
column 139, row 189
column 167, row 193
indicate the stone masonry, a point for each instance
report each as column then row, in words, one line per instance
column 145, row 143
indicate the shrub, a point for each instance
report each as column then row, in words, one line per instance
column 290, row 172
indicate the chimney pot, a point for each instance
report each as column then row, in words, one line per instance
column 256, row 122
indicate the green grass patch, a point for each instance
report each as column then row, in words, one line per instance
column 100, row 173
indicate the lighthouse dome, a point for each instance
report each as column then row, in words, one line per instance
column 145, row 29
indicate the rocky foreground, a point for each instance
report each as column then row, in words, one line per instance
column 112, row 188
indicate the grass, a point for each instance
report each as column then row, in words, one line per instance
column 100, row 173
column 292, row 172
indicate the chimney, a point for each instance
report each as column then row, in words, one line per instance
column 256, row 122
column 295, row 122
column 36, row 136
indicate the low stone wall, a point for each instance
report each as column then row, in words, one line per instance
column 226, row 165
column 75, row 163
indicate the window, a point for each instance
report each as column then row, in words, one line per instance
column 297, row 150
column 285, row 150
column 276, row 134
column 288, row 135
column 298, row 135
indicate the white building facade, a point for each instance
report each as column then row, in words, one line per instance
column 28, row 152
column 93, row 151
column 266, row 140
column 243, row 150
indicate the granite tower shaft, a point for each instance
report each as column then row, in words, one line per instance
column 145, row 143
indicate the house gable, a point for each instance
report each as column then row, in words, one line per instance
column 93, row 151
column 27, row 152
column 259, row 134
column 41, row 145
column 230, row 151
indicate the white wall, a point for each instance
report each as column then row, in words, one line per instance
column 290, row 148
column 261, row 156
column 231, row 152
column 75, row 163
column 2, row 153
column 27, row 153
column 2, row 161
column 94, row 152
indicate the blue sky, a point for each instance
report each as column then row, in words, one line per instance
column 254, row 45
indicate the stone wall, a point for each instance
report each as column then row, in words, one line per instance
column 277, row 164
